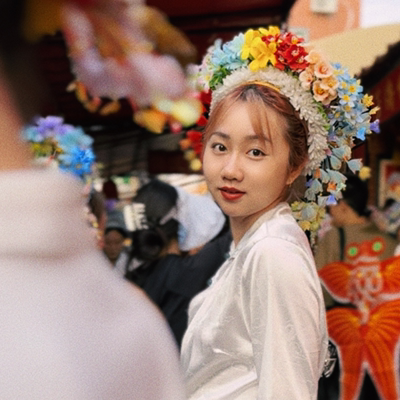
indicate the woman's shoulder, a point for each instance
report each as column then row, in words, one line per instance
column 280, row 232
column 279, row 243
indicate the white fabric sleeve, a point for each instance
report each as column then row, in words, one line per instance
column 282, row 303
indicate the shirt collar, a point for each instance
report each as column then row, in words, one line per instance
column 280, row 209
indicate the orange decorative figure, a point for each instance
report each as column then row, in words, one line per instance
column 367, row 336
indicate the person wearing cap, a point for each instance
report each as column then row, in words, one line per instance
column 115, row 235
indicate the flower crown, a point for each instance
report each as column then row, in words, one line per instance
column 327, row 97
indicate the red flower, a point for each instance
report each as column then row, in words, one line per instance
column 194, row 136
column 289, row 53
column 289, row 38
column 205, row 97
column 295, row 57
column 202, row 121
column 196, row 141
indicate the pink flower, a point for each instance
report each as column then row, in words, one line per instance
column 322, row 94
column 323, row 69
column 306, row 78
column 313, row 57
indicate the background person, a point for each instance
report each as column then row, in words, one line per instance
column 115, row 235
column 173, row 223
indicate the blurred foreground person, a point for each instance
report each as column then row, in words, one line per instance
column 71, row 329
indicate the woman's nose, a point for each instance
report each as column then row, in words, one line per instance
column 232, row 169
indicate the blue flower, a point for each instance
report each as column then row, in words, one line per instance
column 361, row 133
column 331, row 201
column 235, row 46
column 218, row 57
column 78, row 161
column 73, row 138
column 375, row 127
column 229, row 54
column 31, row 134
column 354, row 165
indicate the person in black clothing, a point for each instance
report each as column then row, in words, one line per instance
column 169, row 276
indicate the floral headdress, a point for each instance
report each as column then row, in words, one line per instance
column 327, row 97
column 55, row 143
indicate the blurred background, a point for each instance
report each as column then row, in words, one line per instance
column 362, row 34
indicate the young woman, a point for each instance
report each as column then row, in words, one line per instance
column 259, row 330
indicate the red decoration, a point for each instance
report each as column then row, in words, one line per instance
column 366, row 336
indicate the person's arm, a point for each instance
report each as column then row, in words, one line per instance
column 283, row 305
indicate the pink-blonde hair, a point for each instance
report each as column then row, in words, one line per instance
column 264, row 98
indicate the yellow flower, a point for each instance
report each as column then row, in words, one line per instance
column 365, row 173
column 189, row 155
column 367, row 100
column 262, row 54
column 374, row 110
column 195, row 165
column 314, row 226
column 249, row 36
column 305, row 225
column 271, row 31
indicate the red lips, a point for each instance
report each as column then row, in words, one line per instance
column 231, row 193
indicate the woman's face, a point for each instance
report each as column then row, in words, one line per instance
column 245, row 174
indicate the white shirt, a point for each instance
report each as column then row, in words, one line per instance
column 259, row 330
column 70, row 327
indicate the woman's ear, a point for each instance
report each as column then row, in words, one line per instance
column 294, row 174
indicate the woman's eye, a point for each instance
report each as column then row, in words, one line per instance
column 218, row 147
column 256, row 153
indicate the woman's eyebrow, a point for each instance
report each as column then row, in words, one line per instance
column 221, row 135
column 257, row 137
column 248, row 138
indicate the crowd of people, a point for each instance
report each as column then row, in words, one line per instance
column 230, row 295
